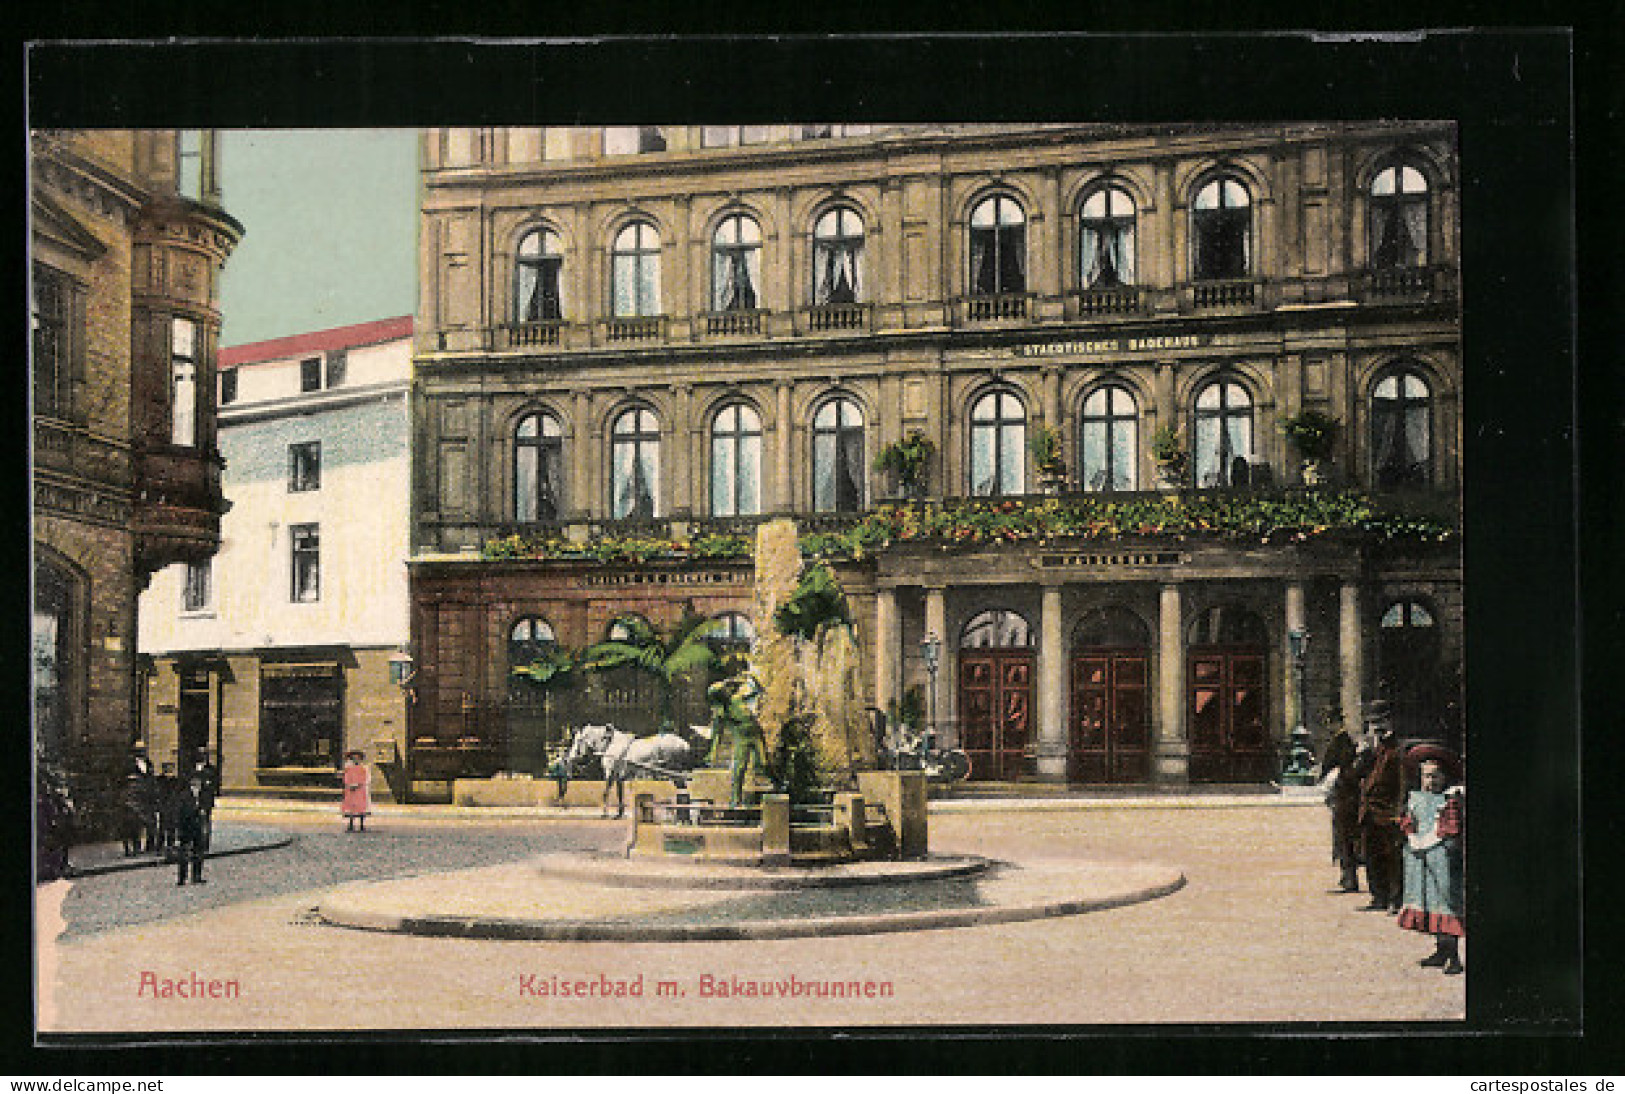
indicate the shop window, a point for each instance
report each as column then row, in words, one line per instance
column 736, row 264
column 1399, row 218
column 736, row 459
column 635, row 271
column 1109, row 447
column 838, row 467
column 837, row 257
column 537, row 278
column 998, row 247
column 1106, row 240
column 1224, row 435
column 998, row 445
column 635, row 465
column 1221, row 230
column 538, row 468
column 1401, row 434
column 301, row 716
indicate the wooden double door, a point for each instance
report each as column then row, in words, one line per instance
column 1227, row 712
column 995, row 710
column 1110, row 732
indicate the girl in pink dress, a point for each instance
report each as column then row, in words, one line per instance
column 357, row 801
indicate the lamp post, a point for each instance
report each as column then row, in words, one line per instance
column 931, row 650
column 1300, row 758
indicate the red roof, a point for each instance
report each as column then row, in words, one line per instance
column 296, row 345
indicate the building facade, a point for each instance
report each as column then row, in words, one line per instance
column 128, row 239
column 277, row 654
column 651, row 336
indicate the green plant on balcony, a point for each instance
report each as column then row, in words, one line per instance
column 1313, row 433
column 1045, row 446
column 1168, row 450
column 907, row 460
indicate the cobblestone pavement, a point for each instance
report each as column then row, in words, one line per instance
column 1254, row 937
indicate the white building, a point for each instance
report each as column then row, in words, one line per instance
column 275, row 655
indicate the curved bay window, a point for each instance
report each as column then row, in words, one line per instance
column 736, row 264
column 837, row 257
column 1399, row 218
column 998, row 445
column 1401, row 442
column 635, row 271
column 838, row 466
column 736, row 462
column 1224, row 435
column 998, row 247
column 538, row 469
column 635, row 465
column 1109, row 445
column 536, row 278
column 1106, row 240
column 1221, row 231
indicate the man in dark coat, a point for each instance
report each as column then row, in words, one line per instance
column 1382, row 795
column 190, row 833
column 1343, row 799
column 210, row 775
column 141, row 782
column 169, row 785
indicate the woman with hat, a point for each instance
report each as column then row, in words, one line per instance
column 357, row 801
column 1434, row 823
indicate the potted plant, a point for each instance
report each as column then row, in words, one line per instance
column 1312, row 433
column 1169, row 452
column 1045, row 445
column 907, row 460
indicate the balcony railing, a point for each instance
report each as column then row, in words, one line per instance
column 546, row 332
column 1410, row 282
column 732, row 324
column 642, row 328
column 1225, row 294
column 1122, row 300
column 828, row 317
column 1010, row 305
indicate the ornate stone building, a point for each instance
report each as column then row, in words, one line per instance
column 661, row 334
column 128, row 240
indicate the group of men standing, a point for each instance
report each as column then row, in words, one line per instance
column 1411, row 843
column 170, row 814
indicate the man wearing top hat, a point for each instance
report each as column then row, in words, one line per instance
column 1381, row 800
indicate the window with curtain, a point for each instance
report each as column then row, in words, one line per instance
column 1109, row 445
column 1106, row 240
column 538, row 468
column 635, row 271
column 635, row 465
column 1224, row 435
column 1221, row 230
column 1401, row 437
column 998, row 247
column 998, row 445
column 537, row 274
column 838, row 466
column 736, row 264
column 736, row 462
column 837, row 257
column 1399, row 218
column 183, row 382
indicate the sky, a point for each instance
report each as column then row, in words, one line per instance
column 330, row 229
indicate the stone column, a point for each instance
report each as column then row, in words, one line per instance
column 1171, row 758
column 783, row 501
column 1289, row 676
column 1350, row 661
column 582, row 459
column 682, row 482
column 1052, row 687
column 936, row 620
column 886, row 643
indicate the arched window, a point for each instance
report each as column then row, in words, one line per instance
column 1399, row 218
column 1227, row 626
column 635, row 465
column 1411, row 670
column 635, row 271
column 995, row 629
column 1109, row 446
column 736, row 462
column 1110, row 627
column 1106, row 240
column 733, row 629
column 536, row 277
column 1224, row 434
column 1401, row 437
column 624, row 628
column 838, row 257
column 998, row 247
column 1221, row 231
column 528, row 639
column 538, row 468
column 838, row 466
column 998, row 445
column 736, row 264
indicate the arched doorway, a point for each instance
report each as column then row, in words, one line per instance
column 996, row 693
column 1109, row 735
column 1227, row 648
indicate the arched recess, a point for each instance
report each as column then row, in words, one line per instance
column 1109, row 732
column 996, row 678
column 1227, row 647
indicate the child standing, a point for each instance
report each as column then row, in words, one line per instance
column 1434, row 823
column 357, row 801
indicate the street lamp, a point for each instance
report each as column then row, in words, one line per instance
column 931, row 650
column 1300, row 758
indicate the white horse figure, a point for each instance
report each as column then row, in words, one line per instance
column 622, row 755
